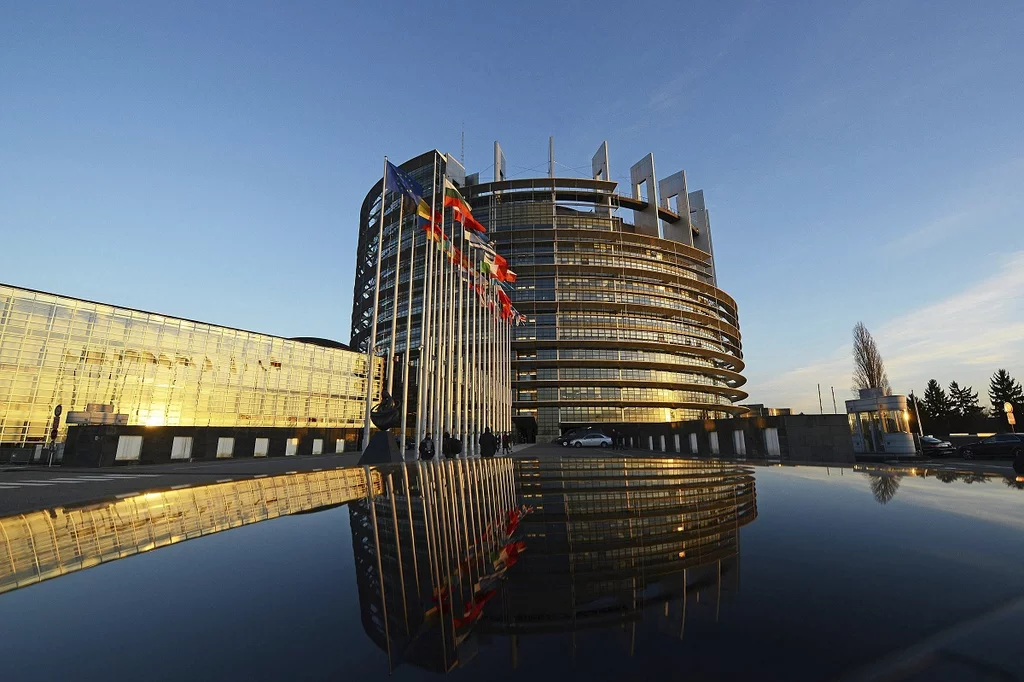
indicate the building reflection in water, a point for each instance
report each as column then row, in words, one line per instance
column 885, row 479
column 606, row 542
column 429, row 552
column 49, row 543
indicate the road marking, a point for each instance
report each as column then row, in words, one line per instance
column 30, row 483
column 260, row 476
column 69, row 480
column 179, row 487
column 224, row 480
column 124, row 495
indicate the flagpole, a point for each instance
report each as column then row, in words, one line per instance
column 449, row 402
column 503, row 325
column 445, row 386
column 422, row 390
column 508, row 377
column 408, row 343
column 470, row 375
column 376, row 299
column 394, row 300
column 472, row 384
column 508, row 370
column 437, row 336
column 460, row 384
column 489, row 360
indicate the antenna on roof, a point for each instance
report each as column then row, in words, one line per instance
column 463, row 155
column 551, row 156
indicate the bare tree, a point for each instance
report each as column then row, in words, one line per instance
column 884, row 486
column 868, row 367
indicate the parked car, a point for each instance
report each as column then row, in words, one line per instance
column 936, row 447
column 591, row 439
column 999, row 445
column 567, row 437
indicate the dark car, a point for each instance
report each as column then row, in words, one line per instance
column 999, row 445
column 567, row 437
column 936, row 447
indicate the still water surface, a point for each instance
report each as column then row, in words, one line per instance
column 625, row 570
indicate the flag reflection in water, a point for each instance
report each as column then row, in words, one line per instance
column 543, row 546
column 430, row 552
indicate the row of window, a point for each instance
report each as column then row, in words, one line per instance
column 623, row 374
column 526, row 333
column 602, row 413
column 612, row 354
column 637, row 394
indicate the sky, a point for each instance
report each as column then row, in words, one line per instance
column 861, row 160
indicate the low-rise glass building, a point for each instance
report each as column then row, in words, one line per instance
column 105, row 365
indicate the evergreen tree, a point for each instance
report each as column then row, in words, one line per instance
column 964, row 400
column 1003, row 388
column 936, row 403
column 919, row 413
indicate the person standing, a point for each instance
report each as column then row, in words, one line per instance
column 427, row 448
column 488, row 443
column 505, row 444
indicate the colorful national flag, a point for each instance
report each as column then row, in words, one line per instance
column 460, row 208
column 506, row 304
column 487, row 264
column 476, row 240
column 433, row 230
column 500, row 268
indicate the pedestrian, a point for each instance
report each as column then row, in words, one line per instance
column 488, row 443
column 505, row 445
column 427, row 448
column 615, row 439
column 446, row 446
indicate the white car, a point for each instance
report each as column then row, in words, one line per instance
column 592, row 439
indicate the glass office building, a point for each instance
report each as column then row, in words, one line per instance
column 112, row 366
column 626, row 325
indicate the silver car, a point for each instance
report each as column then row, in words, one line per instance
column 591, row 439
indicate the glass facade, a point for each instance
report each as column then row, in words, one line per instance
column 622, row 327
column 109, row 365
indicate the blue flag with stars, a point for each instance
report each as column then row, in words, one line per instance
column 399, row 181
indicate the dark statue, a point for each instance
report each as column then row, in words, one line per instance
column 383, row 448
column 385, row 414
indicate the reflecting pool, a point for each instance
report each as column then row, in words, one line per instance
column 546, row 568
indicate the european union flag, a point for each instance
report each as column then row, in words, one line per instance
column 399, row 181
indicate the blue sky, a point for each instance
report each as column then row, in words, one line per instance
column 861, row 161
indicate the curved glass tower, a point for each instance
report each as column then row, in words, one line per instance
column 625, row 324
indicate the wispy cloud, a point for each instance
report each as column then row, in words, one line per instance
column 677, row 90
column 963, row 337
column 994, row 195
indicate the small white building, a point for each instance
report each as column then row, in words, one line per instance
column 880, row 424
